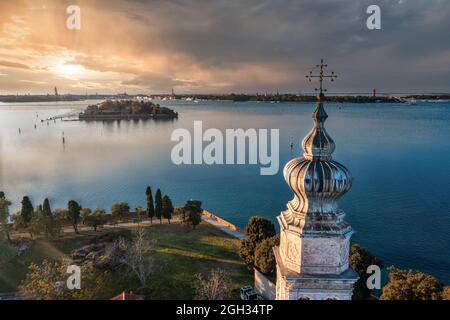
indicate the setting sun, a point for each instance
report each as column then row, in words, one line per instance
column 70, row 71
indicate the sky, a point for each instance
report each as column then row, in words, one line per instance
column 222, row 46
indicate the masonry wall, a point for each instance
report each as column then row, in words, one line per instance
column 264, row 286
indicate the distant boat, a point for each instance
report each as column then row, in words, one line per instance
column 412, row 101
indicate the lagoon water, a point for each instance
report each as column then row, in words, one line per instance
column 398, row 154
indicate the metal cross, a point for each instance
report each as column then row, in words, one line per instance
column 321, row 76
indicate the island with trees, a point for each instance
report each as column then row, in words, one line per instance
column 125, row 110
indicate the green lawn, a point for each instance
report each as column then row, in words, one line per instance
column 180, row 254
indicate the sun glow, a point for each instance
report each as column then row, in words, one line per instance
column 70, row 71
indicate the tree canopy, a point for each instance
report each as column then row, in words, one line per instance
column 257, row 230
column 192, row 213
column 74, row 213
column 27, row 210
column 120, row 209
column 360, row 259
column 411, row 285
column 264, row 255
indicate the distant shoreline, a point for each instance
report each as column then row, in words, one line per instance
column 269, row 98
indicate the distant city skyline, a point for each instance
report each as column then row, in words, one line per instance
column 222, row 46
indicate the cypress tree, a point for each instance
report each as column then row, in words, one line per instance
column 27, row 210
column 46, row 208
column 150, row 207
column 158, row 205
column 167, row 208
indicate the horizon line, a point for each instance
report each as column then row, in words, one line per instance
column 222, row 94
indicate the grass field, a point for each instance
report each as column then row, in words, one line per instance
column 180, row 253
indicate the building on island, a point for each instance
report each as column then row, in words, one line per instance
column 313, row 255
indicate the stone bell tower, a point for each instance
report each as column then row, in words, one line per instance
column 312, row 259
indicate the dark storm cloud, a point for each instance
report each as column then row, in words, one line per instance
column 292, row 35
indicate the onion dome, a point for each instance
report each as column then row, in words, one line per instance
column 316, row 180
column 318, row 143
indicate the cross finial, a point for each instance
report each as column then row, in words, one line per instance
column 321, row 77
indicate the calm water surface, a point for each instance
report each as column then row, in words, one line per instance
column 399, row 155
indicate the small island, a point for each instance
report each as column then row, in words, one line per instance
column 125, row 110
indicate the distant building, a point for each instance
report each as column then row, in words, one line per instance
column 56, row 91
column 374, row 93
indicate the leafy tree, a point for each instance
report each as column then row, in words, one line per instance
column 216, row 286
column 150, row 207
column 61, row 214
column 120, row 210
column 74, row 214
column 85, row 213
column 264, row 255
column 138, row 210
column 446, row 293
column 411, row 285
column 27, row 210
column 192, row 213
column 46, row 208
column 4, row 217
column 96, row 219
column 18, row 223
column 360, row 259
column 47, row 281
column 158, row 205
column 167, row 208
column 53, row 226
column 178, row 211
column 257, row 230
column 36, row 225
column 41, row 223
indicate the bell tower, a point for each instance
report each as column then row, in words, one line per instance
column 312, row 258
